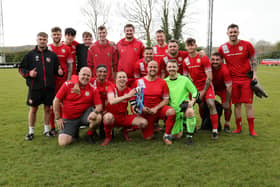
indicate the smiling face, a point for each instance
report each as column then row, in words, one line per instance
column 84, row 76
column 129, row 33
column 121, row 79
column 69, row 39
column 56, row 36
column 172, row 68
column 191, row 47
column 233, row 34
column 148, row 55
column 101, row 73
column 216, row 61
column 102, row 34
column 160, row 38
column 42, row 42
column 173, row 48
column 152, row 68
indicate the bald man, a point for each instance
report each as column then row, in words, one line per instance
column 77, row 108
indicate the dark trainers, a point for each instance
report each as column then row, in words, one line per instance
column 189, row 141
column 214, row 136
column 47, row 134
column 90, row 139
column 29, row 137
column 227, row 129
column 52, row 132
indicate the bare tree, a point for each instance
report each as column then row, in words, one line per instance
column 178, row 19
column 165, row 21
column 141, row 14
column 97, row 13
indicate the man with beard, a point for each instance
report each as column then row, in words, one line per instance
column 140, row 69
column 70, row 41
column 117, row 114
column 130, row 50
column 156, row 96
column 200, row 71
column 39, row 68
column 240, row 60
column 103, row 52
column 65, row 58
column 82, row 50
column 222, row 85
column 173, row 53
column 179, row 89
column 77, row 108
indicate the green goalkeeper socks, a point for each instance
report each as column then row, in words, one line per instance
column 191, row 122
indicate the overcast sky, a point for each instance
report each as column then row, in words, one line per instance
column 257, row 19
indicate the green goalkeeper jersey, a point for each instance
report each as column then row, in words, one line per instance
column 179, row 90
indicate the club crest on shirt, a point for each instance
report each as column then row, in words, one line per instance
column 48, row 59
column 198, row 60
column 95, row 55
column 37, row 58
column 142, row 67
column 63, row 50
column 240, row 48
column 180, row 59
column 73, row 46
column 86, row 93
column 108, row 54
column 225, row 49
column 135, row 49
column 30, row 101
column 187, row 61
column 166, row 51
column 155, row 50
column 122, row 50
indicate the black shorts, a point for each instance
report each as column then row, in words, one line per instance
column 42, row 96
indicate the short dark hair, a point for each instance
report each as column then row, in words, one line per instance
column 190, row 41
column 148, row 48
column 160, row 31
column 217, row 54
column 231, row 26
column 70, row 31
column 173, row 41
column 56, row 29
column 101, row 66
column 42, row 34
column 102, row 27
column 172, row 61
column 128, row 25
column 86, row 34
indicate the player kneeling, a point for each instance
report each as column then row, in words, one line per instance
column 117, row 114
column 77, row 109
column 179, row 89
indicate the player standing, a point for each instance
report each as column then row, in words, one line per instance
column 130, row 50
column 240, row 59
column 103, row 52
column 82, row 50
column 140, row 69
column 222, row 85
column 39, row 68
column 161, row 49
column 70, row 41
column 65, row 58
column 200, row 71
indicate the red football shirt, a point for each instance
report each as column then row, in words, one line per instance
column 119, row 108
column 64, row 55
column 179, row 58
column 129, row 53
column 101, row 87
column 197, row 67
column 74, row 105
column 160, row 52
column 154, row 91
column 102, row 54
column 73, row 47
column 221, row 78
column 237, row 58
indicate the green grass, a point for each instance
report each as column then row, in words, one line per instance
column 233, row 160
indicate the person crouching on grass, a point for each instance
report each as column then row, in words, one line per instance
column 179, row 89
column 77, row 108
column 117, row 114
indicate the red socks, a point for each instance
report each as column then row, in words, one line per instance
column 214, row 120
column 169, row 123
column 251, row 126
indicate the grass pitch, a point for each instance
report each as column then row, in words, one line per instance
column 233, row 160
